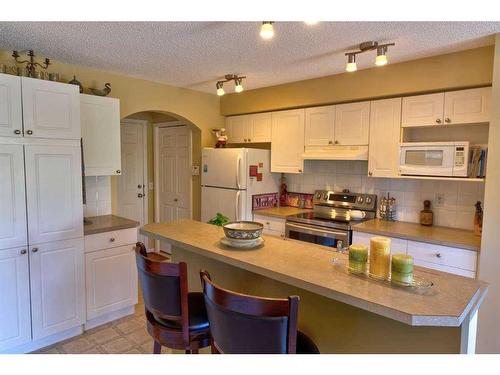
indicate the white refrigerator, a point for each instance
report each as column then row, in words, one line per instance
column 228, row 179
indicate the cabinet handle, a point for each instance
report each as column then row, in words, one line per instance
column 140, row 195
column 23, row 251
column 17, row 131
column 118, row 171
column 447, row 119
column 34, row 250
column 300, row 170
column 176, row 200
column 112, row 239
column 438, row 121
column 330, row 142
column 438, row 255
column 282, row 235
column 336, row 142
column 249, row 140
column 245, row 140
column 139, row 186
column 370, row 173
column 29, row 132
column 267, row 223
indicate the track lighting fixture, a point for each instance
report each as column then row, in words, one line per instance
column 380, row 60
column 238, row 87
column 267, row 30
column 311, row 23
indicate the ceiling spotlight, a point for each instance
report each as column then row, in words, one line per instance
column 220, row 90
column 238, row 86
column 381, row 58
column 267, row 30
column 311, row 23
column 351, row 63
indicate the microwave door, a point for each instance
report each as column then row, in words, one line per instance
column 427, row 160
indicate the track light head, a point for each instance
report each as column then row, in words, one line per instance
column 267, row 30
column 351, row 63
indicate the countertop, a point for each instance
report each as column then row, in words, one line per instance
column 450, row 300
column 107, row 223
column 461, row 238
column 281, row 212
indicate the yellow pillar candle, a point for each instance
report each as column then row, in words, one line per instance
column 380, row 257
column 402, row 268
column 358, row 256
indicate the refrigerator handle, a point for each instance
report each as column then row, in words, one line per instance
column 237, row 205
column 238, row 171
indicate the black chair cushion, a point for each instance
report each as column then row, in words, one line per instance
column 197, row 314
column 305, row 345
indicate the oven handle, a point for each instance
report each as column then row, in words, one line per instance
column 312, row 231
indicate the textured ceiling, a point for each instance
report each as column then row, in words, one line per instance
column 196, row 54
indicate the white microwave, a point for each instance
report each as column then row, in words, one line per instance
column 447, row 159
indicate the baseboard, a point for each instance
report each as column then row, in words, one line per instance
column 108, row 317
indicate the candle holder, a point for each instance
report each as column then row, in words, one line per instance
column 31, row 64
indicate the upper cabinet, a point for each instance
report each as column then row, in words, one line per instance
column 319, row 126
column 287, row 141
column 11, row 117
column 50, row 109
column 100, row 121
column 352, row 124
column 453, row 107
column 385, row 130
column 254, row 128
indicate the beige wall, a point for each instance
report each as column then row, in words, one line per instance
column 457, row 70
column 488, row 340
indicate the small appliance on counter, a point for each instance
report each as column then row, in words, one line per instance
column 387, row 208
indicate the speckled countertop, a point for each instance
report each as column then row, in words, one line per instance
column 310, row 267
column 461, row 238
column 107, row 223
column 281, row 212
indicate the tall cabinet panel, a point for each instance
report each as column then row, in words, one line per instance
column 11, row 120
column 320, row 126
column 50, row 109
column 287, row 141
column 352, row 124
column 12, row 197
column 54, row 193
column 15, row 323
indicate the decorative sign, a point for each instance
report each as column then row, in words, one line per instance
column 261, row 201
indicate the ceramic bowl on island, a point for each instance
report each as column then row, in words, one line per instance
column 243, row 230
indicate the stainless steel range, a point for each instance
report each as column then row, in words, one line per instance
column 330, row 222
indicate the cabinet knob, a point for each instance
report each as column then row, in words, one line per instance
column 29, row 132
column 300, row 170
column 438, row 121
column 330, row 142
column 336, row 142
column 267, row 223
column 118, row 171
column 140, row 195
column 282, row 235
column 249, row 140
column 139, row 186
column 112, row 239
column 438, row 255
column 23, row 251
column 17, row 131
column 370, row 173
column 176, row 200
column 447, row 119
column 245, row 140
column 34, row 250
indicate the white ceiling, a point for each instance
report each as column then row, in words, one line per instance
column 195, row 54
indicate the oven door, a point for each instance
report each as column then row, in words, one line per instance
column 317, row 235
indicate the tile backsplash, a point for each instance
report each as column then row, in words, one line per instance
column 457, row 198
column 98, row 196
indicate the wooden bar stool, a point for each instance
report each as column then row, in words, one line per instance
column 244, row 324
column 175, row 318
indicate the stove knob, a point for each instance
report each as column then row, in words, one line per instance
column 360, row 199
column 368, row 200
column 325, row 196
column 318, row 195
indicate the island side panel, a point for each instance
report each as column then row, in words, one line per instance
column 336, row 327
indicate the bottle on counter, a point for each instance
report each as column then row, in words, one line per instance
column 283, row 191
column 426, row 215
column 478, row 219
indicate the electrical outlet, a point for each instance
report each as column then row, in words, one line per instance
column 439, row 200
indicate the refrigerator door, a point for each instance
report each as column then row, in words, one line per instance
column 224, row 167
column 230, row 203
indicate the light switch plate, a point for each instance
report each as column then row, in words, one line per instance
column 151, row 186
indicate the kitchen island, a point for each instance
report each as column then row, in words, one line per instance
column 342, row 313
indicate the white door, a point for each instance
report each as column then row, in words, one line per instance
column 12, row 197
column 132, row 182
column 54, row 193
column 238, row 129
column 230, row 203
column 385, row 130
column 467, row 106
column 57, row 282
column 50, row 109
column 422, row 110
column 11, row 117
column 224, row 167
column 260, row 128
column 352, row 124
column 319, row 127
column 15, row 316
column 287, row 141
column 100, row 122
column 111, row 280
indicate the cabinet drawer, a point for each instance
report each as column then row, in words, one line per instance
column 443, row 255
column 274, row 233
column 439, row 267
column 111, row 239
column 398, row 245
column 271, row 223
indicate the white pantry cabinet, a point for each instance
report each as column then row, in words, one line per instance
column 11, row 116
column 352, row 124
column 15, row 316
column 287, row 141
column 385, row 133
column 319, row 126
column 254, row 128
column 12, row 199
column 50, row 109
column 467, row 106
column 57, row 286
column 100, row 122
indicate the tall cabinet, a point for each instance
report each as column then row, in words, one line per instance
column 41, row 228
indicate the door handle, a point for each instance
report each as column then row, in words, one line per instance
column 237, row 208
column 238, row 171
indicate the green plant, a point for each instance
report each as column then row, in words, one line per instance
column 219, row 220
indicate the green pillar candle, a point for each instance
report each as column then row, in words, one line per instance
column 358, row 256
column 402, row 268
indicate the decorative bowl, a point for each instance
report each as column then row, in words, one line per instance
column 243, row 230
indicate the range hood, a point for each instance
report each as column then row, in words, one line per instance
column 336, row 153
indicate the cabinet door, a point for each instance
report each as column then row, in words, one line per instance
column 54, row 193
column 352, row 124
column 319, row 126
column 467, row 106
column 423, row 110
column 15, row 316
column 111, row 280
column 12, row 197
column 238, row 129
column 50, row 109
column 57, row 287
column 385, row 129
column 287, row 141
column 260, row 128
column 100, row 121
column 11, row 120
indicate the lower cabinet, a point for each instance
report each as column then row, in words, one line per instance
column 273, row 226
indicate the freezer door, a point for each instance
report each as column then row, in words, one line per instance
column 224, row 167
column 230, row 203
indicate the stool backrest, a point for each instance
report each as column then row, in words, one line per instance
column 245, row 324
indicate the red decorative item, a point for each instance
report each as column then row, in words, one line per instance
column 253, row 171
column 283, row 191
